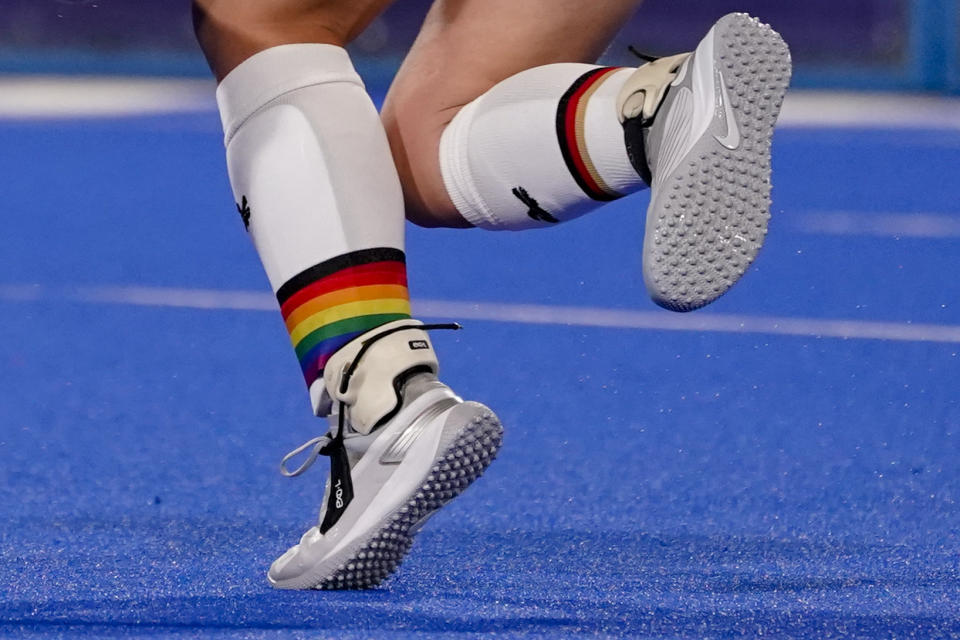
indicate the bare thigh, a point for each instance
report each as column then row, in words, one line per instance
column 464, row 48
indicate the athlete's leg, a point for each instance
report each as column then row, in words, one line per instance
column 555, row 141
column 316, row 187
column 231, row 31
column 306, row 153
column 465, row 48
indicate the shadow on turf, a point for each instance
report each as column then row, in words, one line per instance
column 208, row 614
column 567, row 582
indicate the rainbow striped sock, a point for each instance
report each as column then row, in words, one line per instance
column 330, row 304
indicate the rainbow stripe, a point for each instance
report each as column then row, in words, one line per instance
column 571, row 127
column 330, row 304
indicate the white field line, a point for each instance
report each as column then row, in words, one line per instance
column 39, row 97
column 109, row 96
column 869, row 110
column 702, row 322
column 896, row 225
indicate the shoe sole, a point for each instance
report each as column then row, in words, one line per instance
column 708, row 218
column 465, row 453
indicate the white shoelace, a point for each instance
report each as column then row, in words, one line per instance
column 317, row 445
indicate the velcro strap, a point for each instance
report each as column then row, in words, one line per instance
column 371, row 393
column 643, row 91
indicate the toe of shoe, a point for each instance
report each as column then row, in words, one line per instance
column 284, row 568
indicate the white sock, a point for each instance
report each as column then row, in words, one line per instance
column 541, row 147
column 315, row 183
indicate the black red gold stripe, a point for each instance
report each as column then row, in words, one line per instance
column 571, row 116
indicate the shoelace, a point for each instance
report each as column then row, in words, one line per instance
column 329, row 444
column 646, row 57
column 319, row 444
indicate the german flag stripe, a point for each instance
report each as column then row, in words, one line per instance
column 571, row 128
column 338, row 265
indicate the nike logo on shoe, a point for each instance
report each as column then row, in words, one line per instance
column 731, row 139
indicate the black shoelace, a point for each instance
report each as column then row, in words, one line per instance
column 646, row 57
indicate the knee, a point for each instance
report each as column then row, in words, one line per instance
column 414, row 131
column 229, row 31
column 333, row 22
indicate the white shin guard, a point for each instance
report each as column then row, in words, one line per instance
column 310, row 167
column 307, row 151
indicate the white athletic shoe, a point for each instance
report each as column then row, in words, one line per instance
column 401, row 444
column 700, row 125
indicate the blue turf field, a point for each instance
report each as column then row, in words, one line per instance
column 653, row 483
